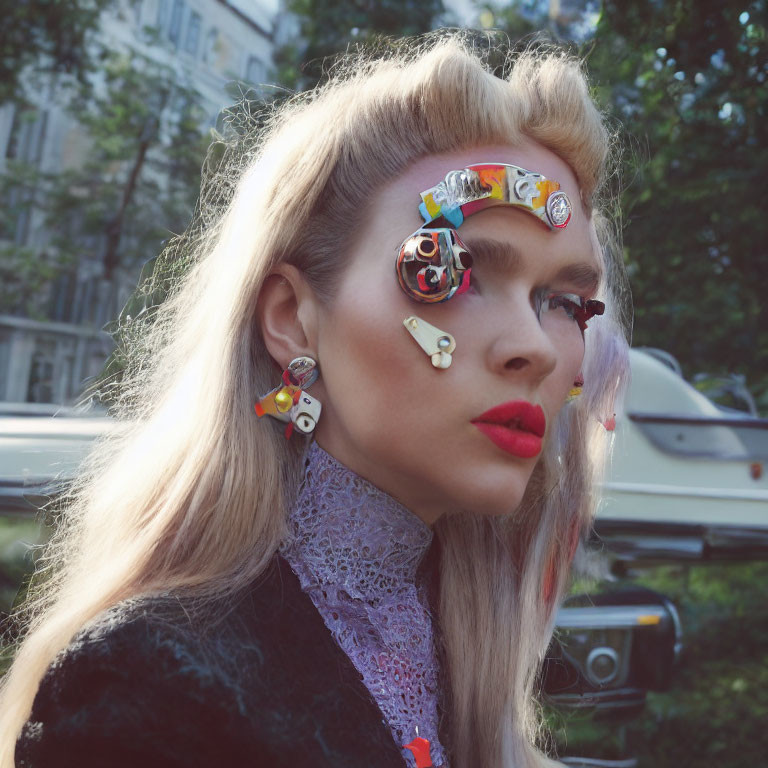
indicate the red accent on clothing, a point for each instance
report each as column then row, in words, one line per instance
column 420, row 749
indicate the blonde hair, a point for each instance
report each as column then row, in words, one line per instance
column 189, row 492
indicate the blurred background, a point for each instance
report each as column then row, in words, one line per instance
column 107, row 108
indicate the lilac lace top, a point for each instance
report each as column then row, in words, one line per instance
column 355, row 551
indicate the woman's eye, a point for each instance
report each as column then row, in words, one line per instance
column 572, row 305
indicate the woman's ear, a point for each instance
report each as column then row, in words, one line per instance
column 287, row 313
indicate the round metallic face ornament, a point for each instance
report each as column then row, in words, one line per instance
column 433, row 265
column 301, row 372
column 558, row 210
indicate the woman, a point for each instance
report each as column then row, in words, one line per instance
column 424, row 236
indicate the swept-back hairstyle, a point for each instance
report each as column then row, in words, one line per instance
column 189, row 491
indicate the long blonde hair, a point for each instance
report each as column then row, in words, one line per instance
column 188, row 493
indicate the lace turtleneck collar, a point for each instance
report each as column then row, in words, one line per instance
column 356, row 552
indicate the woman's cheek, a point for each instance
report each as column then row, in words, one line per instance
column 372, row 373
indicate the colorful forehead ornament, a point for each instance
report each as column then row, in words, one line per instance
column 484, row 185
column 433, row 264
column 438, row 344
column 289, row 401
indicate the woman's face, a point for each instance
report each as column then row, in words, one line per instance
column 410, row 428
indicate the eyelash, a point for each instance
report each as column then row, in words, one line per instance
column 578, row 308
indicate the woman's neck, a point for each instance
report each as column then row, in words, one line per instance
column 351, row 534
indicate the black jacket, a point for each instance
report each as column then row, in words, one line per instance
column 267, row 685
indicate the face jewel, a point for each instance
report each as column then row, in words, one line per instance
column 558, row 209
column 439, row 345
column 433, row 265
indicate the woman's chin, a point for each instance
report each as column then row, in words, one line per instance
column 491, row 492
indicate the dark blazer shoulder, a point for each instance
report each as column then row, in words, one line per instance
column 259, row 681
column 141, row 683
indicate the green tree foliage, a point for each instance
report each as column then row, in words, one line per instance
column 329, row 27
column 714, row 711
column 518, row 19
column 686, row 78
column 137, row 184
column 141, row 178
column 48, row 35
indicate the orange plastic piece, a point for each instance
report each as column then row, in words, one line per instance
column 267, row 404
column 546, row 188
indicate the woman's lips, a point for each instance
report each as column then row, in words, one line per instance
column 516, row 427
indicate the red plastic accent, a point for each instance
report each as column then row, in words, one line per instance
column 420, row 749
column 465, row 282
column 478, row 205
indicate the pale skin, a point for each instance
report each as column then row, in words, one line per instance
column 388, row 414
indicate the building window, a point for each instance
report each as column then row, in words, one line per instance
column 137, row 8
column 209, row 49
column 193, row 34
column 22, row 200
column 27, row 138
column 162, row 13
column 26, row 144
column 255, row 72
column 174, row 27
column 40, row 383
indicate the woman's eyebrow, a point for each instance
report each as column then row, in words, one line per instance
column 507, row 257
column 586, row 277
column 495, row 253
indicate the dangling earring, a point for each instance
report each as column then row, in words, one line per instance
column 576, row 390
column 289, row 402
column 438, row 344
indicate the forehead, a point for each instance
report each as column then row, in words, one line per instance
column 394, row 213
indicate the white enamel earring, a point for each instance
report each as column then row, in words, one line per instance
column 438, row 344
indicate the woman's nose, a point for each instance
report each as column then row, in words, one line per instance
column 519, row 344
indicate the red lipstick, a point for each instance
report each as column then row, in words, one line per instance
column 516, row 427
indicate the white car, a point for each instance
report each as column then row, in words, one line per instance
column 687, row 479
